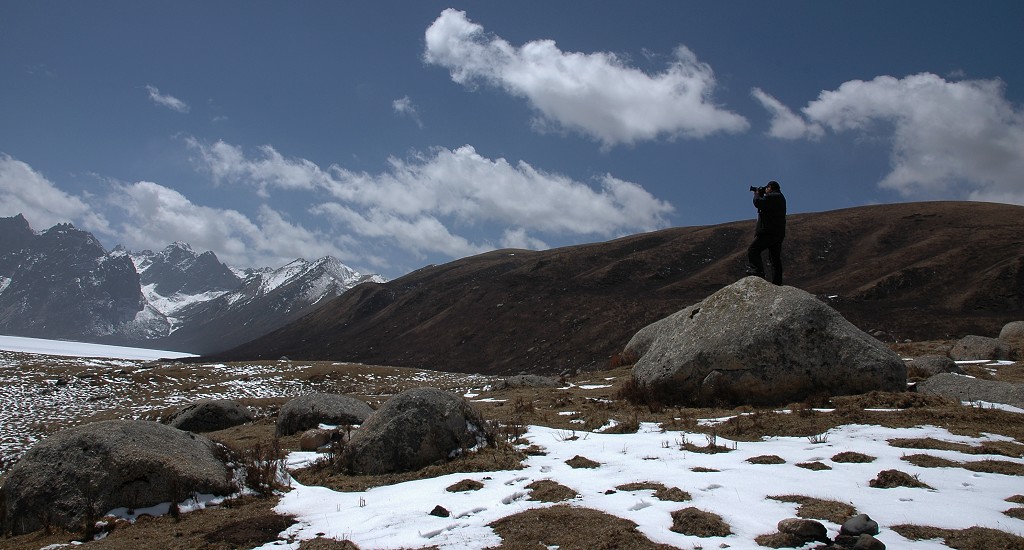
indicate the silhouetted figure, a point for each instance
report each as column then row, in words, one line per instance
column 771, row 230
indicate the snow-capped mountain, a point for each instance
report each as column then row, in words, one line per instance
column 61, row 283
column 265, row 301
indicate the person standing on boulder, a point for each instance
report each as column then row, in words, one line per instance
column 770, row 232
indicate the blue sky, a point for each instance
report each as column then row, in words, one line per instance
column 392, row 135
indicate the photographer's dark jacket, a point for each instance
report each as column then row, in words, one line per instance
column 771, row 214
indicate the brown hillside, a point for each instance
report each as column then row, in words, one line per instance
column 914, row 270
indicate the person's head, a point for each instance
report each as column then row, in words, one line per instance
column 773, row 186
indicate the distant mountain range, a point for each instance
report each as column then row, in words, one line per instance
column 62, row 284
column 921, row 271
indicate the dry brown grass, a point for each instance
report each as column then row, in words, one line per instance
column 546, row 490
column 513, row 408
column 816, row 508
column 699, row 523
column 670, row 494
column 889, row 479
column 973, row 538
column 572, row 528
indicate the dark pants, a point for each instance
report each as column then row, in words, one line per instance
column 774, row 245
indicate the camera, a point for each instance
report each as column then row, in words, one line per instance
column 759, row 190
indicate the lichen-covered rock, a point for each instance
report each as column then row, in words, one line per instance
column 413, row 429
column 979, row 347
column 311, row 410
column 85, row 471
column 1014, row 330
column 209, row 415
column 930, row 365
column 756, row 343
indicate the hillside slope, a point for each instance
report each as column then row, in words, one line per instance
column 914, row 270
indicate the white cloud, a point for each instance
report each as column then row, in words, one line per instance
column 959, row 139
column 404, row 106
column 25, row 191
column 785, row 123
column 165, row 100
column 154, row 215
column 596, row 94
column 446, row 201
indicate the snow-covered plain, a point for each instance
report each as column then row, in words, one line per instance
column 727, row 484
column 82, row 349
column 397, row 516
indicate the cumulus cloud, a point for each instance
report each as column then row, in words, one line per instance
column 165, row 100
column 785, row 123
column 25, row 191
column 595, row 94
column 444, row 200
column 154, row 215
column 959, row 139
column 404, row 106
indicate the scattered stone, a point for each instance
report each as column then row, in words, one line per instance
column 317, row 438
column 413, row 429
column 440, row 511
column 1012, row 331
column 973, row 347
column 756, row 343
column 210, row 415
column 970, row 389
column 859, row 525
column 311, row 410
column 527, row 381
column 68, row 479
column 930, row 365
column 806, row 529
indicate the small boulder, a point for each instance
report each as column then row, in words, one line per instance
column 527, row 381
column 806, row 529
column 859, row 525
column 81, row 473
column 315, row 438
column 1014, row 330
column 311, row 410
column 973, row 347
column 413, row 429
column 759, row 344
column 209, row 415
column 930, row 365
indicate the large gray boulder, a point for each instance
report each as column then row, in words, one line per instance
column 311, row 410
column 413, row 429
column 756, row 343
column 930, row 365
column 210, row 415
column 978, row 348
column 83, row 472
column 970, row 389
column 1014, row 330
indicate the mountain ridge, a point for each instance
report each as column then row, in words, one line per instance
column 910, row 270
column 61, row 283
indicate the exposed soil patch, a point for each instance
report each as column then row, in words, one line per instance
column 670, row 494
column 766, row 459
column 582, row 462
column 464, row 486
column 815, row 466
column 852, row 457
